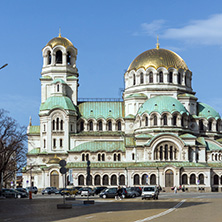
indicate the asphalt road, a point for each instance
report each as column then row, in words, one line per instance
column 170, row 207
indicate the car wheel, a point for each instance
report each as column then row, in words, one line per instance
column 133, row 196
column 35, row 192
column 142, row 198
column 104, row 196
column 49, row 193
column 156, row 197
column 19, row 196
column 42, row 193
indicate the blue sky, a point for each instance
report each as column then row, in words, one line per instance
column 108, row 36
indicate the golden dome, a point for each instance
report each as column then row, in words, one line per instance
column 59, row 41
column 158, row 58
column 54, row 160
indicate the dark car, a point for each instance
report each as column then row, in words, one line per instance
column 49, row 190
column 21, row 190
column 59, row 191
column 108, row 193
column 137, row 189
column 129, row 192
column 11, row 193
column 97, row 190
column 32, row 189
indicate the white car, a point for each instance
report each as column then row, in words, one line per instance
column 86, row 191
column 149, row 192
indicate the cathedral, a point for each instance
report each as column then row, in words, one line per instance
column 157, row 134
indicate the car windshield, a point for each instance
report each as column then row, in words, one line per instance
column 148, row 188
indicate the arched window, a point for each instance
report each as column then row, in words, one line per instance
column 170, row 77
column 58, row 88
column 179, row 78
column 146, row 121
column 49, row 58
column 186, row 83
column 44, row 143
column 59, row 57
column 100, row 125
column 54, row 143
column 153, row 179
column 182, row 121
column 201, row 126
column 184, row 179
column 81, row 126
column 114, row 157
column 53, row 125
column 161, row 153
column 83, row 157
column 150, row 77
column 57, row 123
column 99, row 157
column 87, row 157
column 216, row 180
column 61, row 126
column 141, row 78
column 122, row 180
column 68, row 58
column 119, row 157
column 90, row 126
column 165, row 120
column 133, row 156
column 201, row 178
column 103, row 157
column 217, row 126
column 192, row 179
column 134, row 79
column 80, row 180
column 144, row 179
column 155, row 120
column 210, row 125
column 119, row 125
column 174, row 120
column 161, row 76
column 105, row 180
column 136, row 179
column 89, row 180
column 97, row 180
column 60, row 142
column 215, row 157
column 113, row 180
column 109, row 125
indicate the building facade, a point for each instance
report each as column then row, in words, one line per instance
column 157, row 134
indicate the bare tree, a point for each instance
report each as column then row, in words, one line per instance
column 12, row 147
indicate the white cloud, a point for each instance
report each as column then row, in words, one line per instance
column 153, row 27
column 207, row 32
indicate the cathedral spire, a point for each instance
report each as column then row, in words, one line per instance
column 30, row 121
column 157, row 44
column 59, row 31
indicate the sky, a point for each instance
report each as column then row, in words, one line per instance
column 109, row 35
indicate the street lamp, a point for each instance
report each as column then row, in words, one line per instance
column 4, row 66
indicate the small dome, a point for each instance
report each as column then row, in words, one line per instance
column 59, row 41
column 162, row 104
column 54, row 160
column 158, row 58
column 207, row 111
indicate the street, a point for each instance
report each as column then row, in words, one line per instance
column 169, row 207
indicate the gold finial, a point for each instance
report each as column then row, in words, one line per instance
column 59, row 32
column 157, row 44
column 30, row 121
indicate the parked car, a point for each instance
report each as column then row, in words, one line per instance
column 69, row 192
column 11, row 193
column 78, row 188
column 49, row 190
column 130, row 192
column 150, row 192
column 108, row 193
column 32, row 189
column 87, row 191
column 59, row 191
column 20, row 189
column 97, row 190
column 137, row 189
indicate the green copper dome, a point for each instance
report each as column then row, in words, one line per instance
column 162, row 104
column 62, row 102
column 207, row 111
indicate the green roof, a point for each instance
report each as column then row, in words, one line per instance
column 162, row 104
column 62, row 102
column 187, row 95
column 207, row 111
column 201, row 141
column 59, row 80
column 137, row 95
column 213, row 146
column 96, row 146
column 104, row 110
column 187, row 135
column 34, row 151
column 34, row 130
column 146, row 136
column 130, row 116
column 46, row 77
column 71, row 77
column 219, row 140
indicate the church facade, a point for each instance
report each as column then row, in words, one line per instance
column 159, row 133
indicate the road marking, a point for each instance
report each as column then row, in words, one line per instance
column 89, row 217
column 163, row 213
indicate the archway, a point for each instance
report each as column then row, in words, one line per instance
column 54, row 179
column 169, row 178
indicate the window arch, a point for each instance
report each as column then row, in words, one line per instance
column 97, row 180
column 165, row 120
column 170, row 77
column 59, row 57
column 136, row 179
column 57, row 123
column 90, row 125
column 68, row 58
column 155, row 120
column 160, row 76
column 81, row 125
column 99, row 157
column 103, row 157
column 119, row 157
column 83, row 157
column 146, row 121
column 121, row 180
column 182, row 121
column 61, row 124
column 53, row 125
column 216, row 180
column 192, row 179
column 184, row 179
column 114, row 157
column 58, row 88
column 210, row 125
column 144, row 179
column 201, row 126
column 100, row 125
column 113, row 180
column 201, row 178
column 150, row 77
column 109, row 125
column 174, row 120
column 119, row 125
column 153, row 179
column 134, row 79
column 141, row 78
column 49, row 58
column 179, row 78
column 80, row 180
column 105, row 180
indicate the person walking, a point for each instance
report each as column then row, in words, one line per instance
column 175, row 189
column 118, row 193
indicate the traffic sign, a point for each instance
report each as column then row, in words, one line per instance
column 63, row 170
column 62, row 163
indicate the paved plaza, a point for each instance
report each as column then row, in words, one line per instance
column 170, row 207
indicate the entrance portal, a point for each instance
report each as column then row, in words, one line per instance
column 54, row 179
column 169, row 178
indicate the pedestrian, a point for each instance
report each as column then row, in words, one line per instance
column 175, row 189
column 118, row 193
